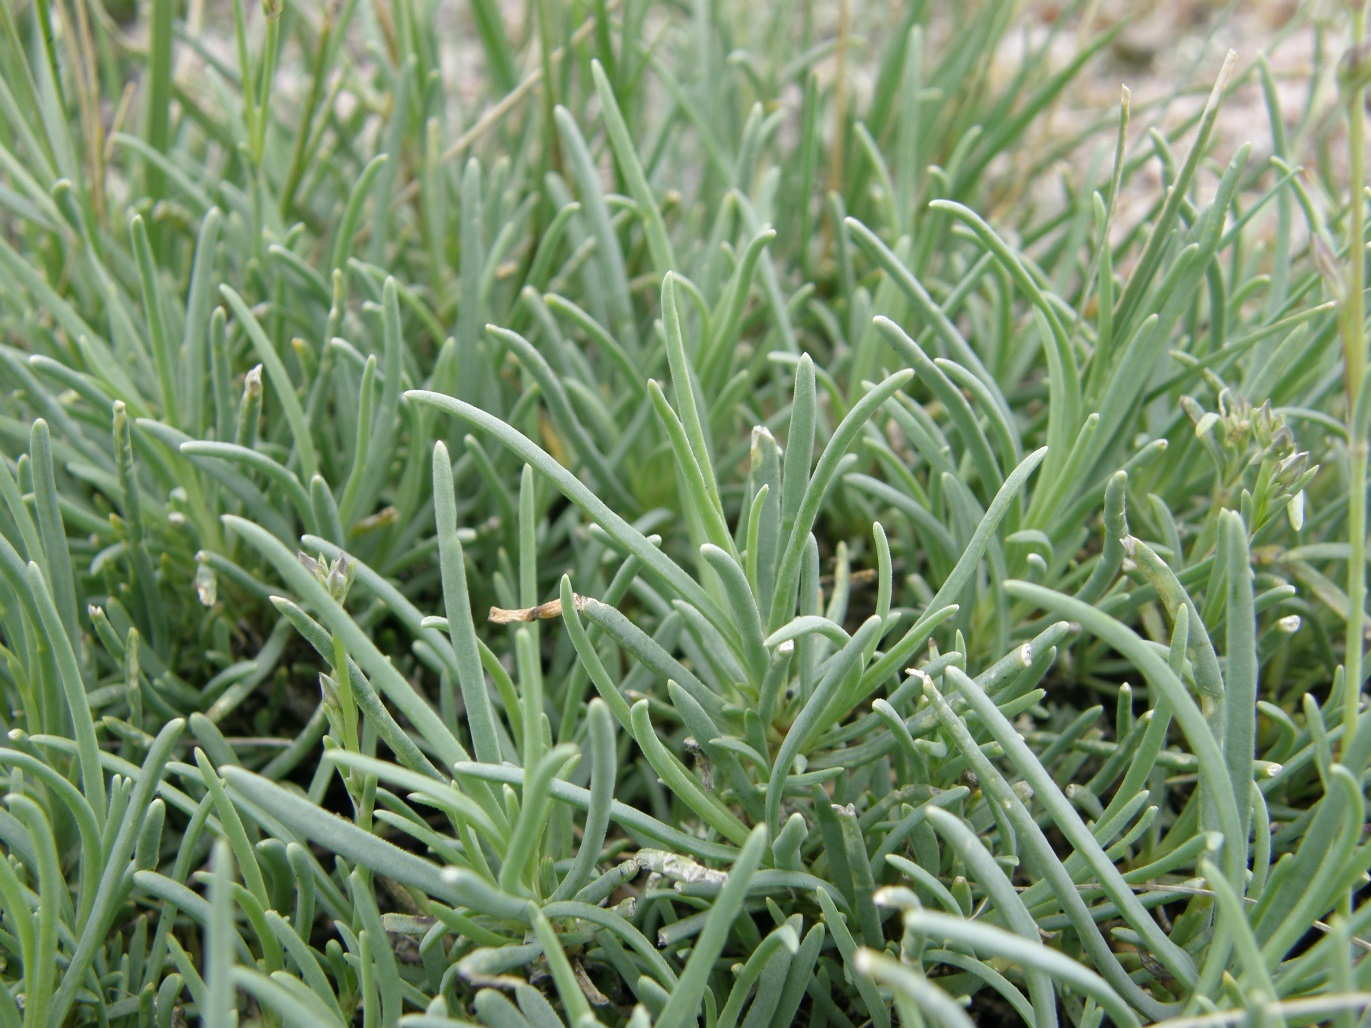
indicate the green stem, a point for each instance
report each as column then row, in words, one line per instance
column 1353, row 327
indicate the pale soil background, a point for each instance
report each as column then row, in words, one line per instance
column 1168, row 55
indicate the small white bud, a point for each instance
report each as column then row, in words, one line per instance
column 1206, row 423
column 1294, row 511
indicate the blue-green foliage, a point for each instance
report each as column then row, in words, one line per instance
column 903, row 585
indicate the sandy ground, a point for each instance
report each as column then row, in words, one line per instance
column 1169, row 54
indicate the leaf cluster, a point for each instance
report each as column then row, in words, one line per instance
column 914, row 592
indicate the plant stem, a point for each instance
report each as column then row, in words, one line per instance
column 835, row 168
column 1353, row 325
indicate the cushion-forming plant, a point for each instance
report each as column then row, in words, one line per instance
column 918, row 582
